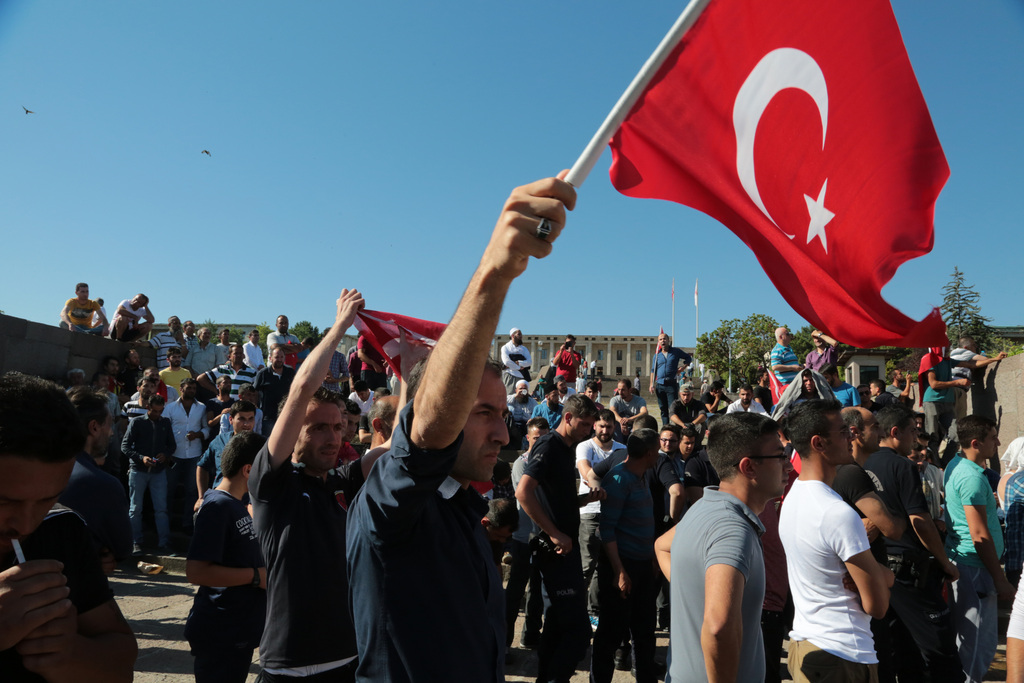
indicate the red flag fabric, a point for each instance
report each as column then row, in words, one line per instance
column 400, row 339
column 801, row 127
column 776, row 386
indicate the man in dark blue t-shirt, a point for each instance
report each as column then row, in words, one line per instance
column 426, row 596
column 224, row 560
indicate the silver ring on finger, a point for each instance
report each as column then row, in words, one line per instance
column 544, row 229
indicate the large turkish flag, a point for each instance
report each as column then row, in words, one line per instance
column 402, row 340
column 799, row 124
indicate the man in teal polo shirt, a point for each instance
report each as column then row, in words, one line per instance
column 975, row 544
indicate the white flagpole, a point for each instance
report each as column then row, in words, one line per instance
column 585, row 164
column 673, row 310
column 696, row 323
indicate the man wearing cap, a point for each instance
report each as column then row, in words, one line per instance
column 520, row 408
column 516, row 359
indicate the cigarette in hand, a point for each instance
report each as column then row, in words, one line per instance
column 18, row 552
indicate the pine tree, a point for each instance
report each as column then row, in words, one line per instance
column 961, row 309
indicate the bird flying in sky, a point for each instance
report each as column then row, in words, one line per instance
column 207, row 152
column 27, row 110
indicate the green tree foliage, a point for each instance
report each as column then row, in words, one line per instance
column 752, row 338
column 303, row 329
column 802, row 343
column 961, row 309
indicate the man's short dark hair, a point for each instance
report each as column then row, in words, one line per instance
column 351, row 407
column 157, row 400
column 674, row 428
column 242, row 407
column 973, row 427
column 360, row 385
column 185, row 382
column 605, row 415
column 878, row 383
column 592, row 385
column 734, row 438
column 174, row 351
column 90, row 406
column 80, row 285
column 687, row 430
column 641, row 442
column 240, row 451
column 245, row 388
column 717, row 384
column 645, row 422
column 810, row 419
column 96, row 375
column 142, row 380
column 580, row 406
column 538, row 422
column 746, row 387
column 106, row 359
column 894, row 415
column 830, row 369
column 502, row 512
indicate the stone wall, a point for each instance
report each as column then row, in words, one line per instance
column 49, row 351
column 998, row 392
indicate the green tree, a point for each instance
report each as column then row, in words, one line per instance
column 750, row 339
column 802, row 344
column 303, row 329
column 961, row 309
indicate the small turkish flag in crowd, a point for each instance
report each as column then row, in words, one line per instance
column 801, row 127
column 403, row 341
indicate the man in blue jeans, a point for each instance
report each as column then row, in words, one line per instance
column 149, row 444
column 666, row 366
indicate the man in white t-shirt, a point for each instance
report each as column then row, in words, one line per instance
column 588, row 454
column 746, row 403
column 825, row 541
column 132, row 319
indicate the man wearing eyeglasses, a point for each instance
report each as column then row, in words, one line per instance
column 715, row 563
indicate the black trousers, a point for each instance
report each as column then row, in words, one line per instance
column 342, row 674
column 622, row 616
column 222, row 665
column 566, row 635
column 923, row 633
column 523, row 577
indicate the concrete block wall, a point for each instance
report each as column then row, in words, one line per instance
column 998, row 392
column 49, row 351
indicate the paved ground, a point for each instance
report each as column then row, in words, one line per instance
column 157, row 606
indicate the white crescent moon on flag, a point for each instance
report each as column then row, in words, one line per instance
column 781, row 68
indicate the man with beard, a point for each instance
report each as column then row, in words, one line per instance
column 163, row 342
column 235, row 368
column 588, row 454
column 188, row 423
column 516, row 359
column 566, row 633
column 824, row 353
column 273, row 383
column 132, row 320
column 173, row 375
column 520, row 407
column 746, row 403
column 550, row 409
column 300, row 523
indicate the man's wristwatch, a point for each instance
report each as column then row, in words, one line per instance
column 255, row 577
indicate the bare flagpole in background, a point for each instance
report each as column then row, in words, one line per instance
column 585, row 164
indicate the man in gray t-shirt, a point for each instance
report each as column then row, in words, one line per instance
column 627, row 407
column 713, row 557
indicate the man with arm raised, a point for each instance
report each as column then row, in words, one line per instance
column 416, row 521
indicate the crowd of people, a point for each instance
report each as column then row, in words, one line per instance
column 350, row 533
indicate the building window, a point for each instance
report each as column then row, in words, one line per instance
column 600, row 354
column 618, row 370
column 543, row 354
column 868, row 373
column 618, row 356
column 639, row 355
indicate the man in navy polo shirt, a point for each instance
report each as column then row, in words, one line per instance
column 666, row 366
column 427, row 599
column 296, row 495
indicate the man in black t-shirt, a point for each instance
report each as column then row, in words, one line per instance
column 297, row 498
column 567, row 630
column 224, row 560
column 688, row 411
column 762, row 391
column 58, row 618
column 924, row 635
column 857, row 488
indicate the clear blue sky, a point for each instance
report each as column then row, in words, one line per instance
column 372, row 145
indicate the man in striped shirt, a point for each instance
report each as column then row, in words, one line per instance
column 235, row 368
column 784, row 362
column 625, row 574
